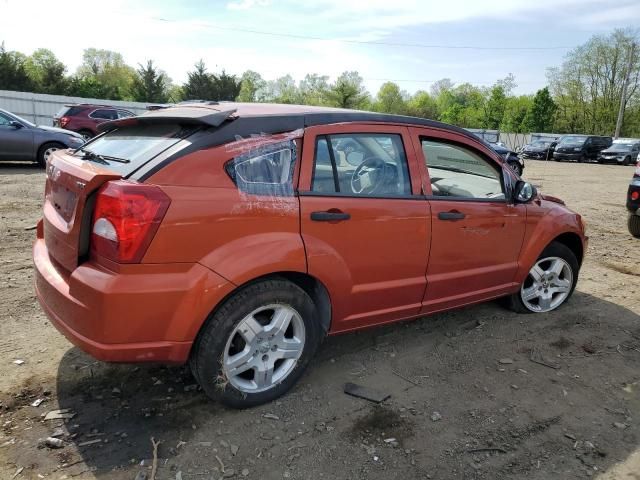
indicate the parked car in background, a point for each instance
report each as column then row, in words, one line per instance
column 23, row 140
column 235, row 237
column 539, row 150
column 633, row 202
column 513, row 160
column 580, row 148
column 622, row 151
column 84, row 118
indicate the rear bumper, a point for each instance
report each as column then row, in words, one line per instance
column 146, row 313
column 634, row 205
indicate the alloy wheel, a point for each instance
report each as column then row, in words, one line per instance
column 47, row 153
column 548, row 285
column 264, row 348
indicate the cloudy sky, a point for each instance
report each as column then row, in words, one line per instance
column 411, row 42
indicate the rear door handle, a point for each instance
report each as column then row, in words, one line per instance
column 329, row 216
column 451, row 216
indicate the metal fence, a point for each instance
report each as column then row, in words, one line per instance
column 40, row 108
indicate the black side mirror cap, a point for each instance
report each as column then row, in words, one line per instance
column 15, row 124
column 524, row 192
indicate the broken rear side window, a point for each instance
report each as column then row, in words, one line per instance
column 266, row 170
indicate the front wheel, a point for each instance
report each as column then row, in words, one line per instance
column 634, row 225
column 257, row 345
column 45, row 151
column 550, row 282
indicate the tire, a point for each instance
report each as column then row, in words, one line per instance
column 250, row 313
column 627, row 160
column 582, row 159
column 634, row 225
column 45, row 151
column 86, row 134
column 569, row 264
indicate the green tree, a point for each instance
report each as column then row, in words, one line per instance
column 282, row 90
column 390, row 99
column 313, row 89
column 252, row 87
column 423, row 105
column 13, row 72
column 47, row 72
column 463, row 106
column 348, row 91
column 514, row 114
column 150, row 84
column 494, row 108
column 540, row 114
column 225, row 87
column 108, row 69
column 199, row 85
column 441, row 86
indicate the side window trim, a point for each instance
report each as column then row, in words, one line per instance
column 480, row 154
column 334, row 167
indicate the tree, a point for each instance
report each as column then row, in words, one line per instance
column 541, row 112
column 252, row 87
column 514, row 114
column 313, row 89
column 46, row 72
column 150, row 84
column 199, row 84
column 390, row 99
column 226, row 87
column 463, row 106
column 423, row 105
column 282, row 90
column 348, row 91
column 441, row 86
column 108, row 69
column 13, row 73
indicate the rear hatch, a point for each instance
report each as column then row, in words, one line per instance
column 73, row 179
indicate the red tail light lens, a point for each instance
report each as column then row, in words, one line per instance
column 64, row 121
column 125, row 220
column 635, row 196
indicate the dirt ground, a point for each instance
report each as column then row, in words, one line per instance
column 467, row 400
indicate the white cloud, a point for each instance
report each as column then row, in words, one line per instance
column 247, row 4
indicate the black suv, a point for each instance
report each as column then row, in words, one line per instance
column 622, row 152
column 633, row 202
column 580, row 148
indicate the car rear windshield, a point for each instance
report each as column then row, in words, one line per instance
column 127, row 149
column 572, row 140
column 69, row 111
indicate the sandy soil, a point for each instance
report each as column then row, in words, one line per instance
column 499, row 414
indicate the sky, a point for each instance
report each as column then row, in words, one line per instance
column 411, row 42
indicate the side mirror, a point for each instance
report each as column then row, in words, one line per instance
column 524, row 192
column 15, row 124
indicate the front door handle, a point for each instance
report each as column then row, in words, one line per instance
column 451, row 216
column 330, row 216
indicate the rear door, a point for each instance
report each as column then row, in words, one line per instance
column 476, row 233
column 15, row 143
column 364, row 222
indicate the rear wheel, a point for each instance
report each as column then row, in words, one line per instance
column 550, row 281
column 45, row 151
column 634, row 225
column 627, row 160
column 582, row 159
column 257, row 345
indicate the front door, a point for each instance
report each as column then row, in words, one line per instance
column 365, row 224
column 476, row 233
column 15, row 143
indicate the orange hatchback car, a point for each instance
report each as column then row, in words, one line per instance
column 235, row 237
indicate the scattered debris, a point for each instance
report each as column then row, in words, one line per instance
column 406, row 379
column 221, row 464
column 505, row 361
column 18, row 472
column 179, row 475
column 37, row 402
column 536, row 357
column 154, row 466
column 487, row 449
column 270, row 416
column 18, row 362
column 570, row 437
column 141, row 475
column 30, row 227
column 234, row 450
column 365, row 393
column 244, row 472
column 619, row 425
column 435, row 416
column 90, row 442
column 62, row 414
column 52, row 442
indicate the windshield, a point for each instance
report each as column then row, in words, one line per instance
column 572, row 140
column 20, row 119
column 130, row 148
column 540, row 144
column 621, row 147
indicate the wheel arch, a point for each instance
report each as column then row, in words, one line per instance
column 573, row 242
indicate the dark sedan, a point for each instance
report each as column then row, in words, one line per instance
column 539, row 150
column 22, row 140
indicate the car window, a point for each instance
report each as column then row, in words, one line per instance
column 125, row 114
column 105, row 114
column 456, row 171
column 4, row 119
column 361, row 164
column 268, row 171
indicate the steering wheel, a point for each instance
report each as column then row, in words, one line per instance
column 370, row 175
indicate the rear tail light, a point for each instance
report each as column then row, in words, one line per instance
column 635, row 195
column 125, row 220
column 63, row 121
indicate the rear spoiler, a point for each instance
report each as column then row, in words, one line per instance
column 183, row 115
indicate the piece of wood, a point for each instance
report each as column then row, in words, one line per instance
column 366, row 393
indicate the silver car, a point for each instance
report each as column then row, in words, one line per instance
column 22, row 140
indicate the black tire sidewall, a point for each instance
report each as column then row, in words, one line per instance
column 634, row 225
column 554, row 249
column 210, row 345
column 43, row 148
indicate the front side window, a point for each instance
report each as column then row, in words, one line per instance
column 4, row 120
column 104, row 114
column 456, row 171
column 125, row 114
column 361, row 164
column 265, row 171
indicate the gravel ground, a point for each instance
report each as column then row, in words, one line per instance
column 468, row 401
